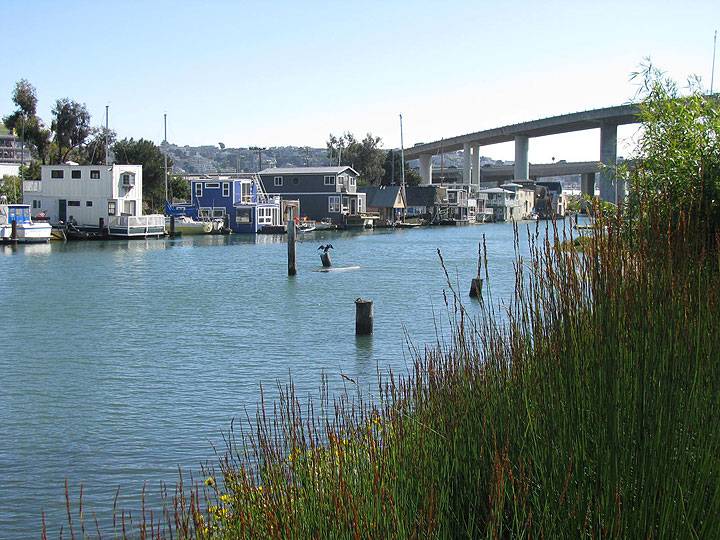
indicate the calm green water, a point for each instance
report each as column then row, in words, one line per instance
column 124, row 360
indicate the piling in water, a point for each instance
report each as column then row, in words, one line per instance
column 477, row 282
column 363, row 317
column 325, row 258
column 292, row 269
column 13, row 233
column 172, row 226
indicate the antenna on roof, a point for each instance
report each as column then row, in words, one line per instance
column 712, row 73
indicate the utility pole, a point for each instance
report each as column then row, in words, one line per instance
column 165, row 152
column 402, row 168
column 259, row 151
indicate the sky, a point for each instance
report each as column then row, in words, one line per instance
column 290, row 73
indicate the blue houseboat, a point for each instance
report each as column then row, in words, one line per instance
column 241, row 200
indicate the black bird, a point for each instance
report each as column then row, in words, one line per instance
column 326, row 248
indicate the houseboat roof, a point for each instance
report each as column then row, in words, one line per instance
column 422, row 195
column 307, row 170
column 495, row 190
column 381, row 196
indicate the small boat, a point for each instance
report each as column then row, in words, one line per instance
column 405, row 225
column 305, row 228
column 186, row 225
column 26, row 230
column 325, row 225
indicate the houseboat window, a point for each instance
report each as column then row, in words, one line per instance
column 212, row 185
column 245, row 192
column 264, row 216
column 218, row 212
column 226, row 189
column 56, row 173
column 88, row 203
column 334, row 204
column 198, row 189
column 296, row 180
column 205, row 212
column 128, row 179
column 95, row 175
column 76, row 174
column 352, row 181
column 73, row 203
column 112, row 208
column 242, row 215
column 360, row 204
column 278, row 181
column 329, row 180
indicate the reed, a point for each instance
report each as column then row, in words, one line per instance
column 588, row 406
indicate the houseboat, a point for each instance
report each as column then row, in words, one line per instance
column 26, row 230
column 240, row 201
column 98, row 199
column 323, row 193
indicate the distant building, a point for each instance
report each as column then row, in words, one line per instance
column 323, row 192
column 12, row 150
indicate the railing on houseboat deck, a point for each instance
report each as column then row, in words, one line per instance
column 153, row 220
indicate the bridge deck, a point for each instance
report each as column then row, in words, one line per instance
column 618, row 115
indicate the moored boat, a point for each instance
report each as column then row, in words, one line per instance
column 26, row 230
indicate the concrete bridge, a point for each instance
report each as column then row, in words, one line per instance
column 607, row 120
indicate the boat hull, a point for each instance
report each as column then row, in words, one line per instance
column 27, row 233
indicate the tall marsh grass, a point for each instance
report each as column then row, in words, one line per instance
column 589, row 409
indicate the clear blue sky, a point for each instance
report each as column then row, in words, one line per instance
column 277, row 73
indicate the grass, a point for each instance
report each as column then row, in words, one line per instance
column 589, row 409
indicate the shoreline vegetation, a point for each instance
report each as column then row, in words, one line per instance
column 589, row 408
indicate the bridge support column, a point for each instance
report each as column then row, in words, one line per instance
column 426, row 169
column 610, row 189
column 587, row 184
column 475, row 182
column 522, row 166
column 466, row 163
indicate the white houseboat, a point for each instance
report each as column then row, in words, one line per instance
column 26, row 231
column 101, row 198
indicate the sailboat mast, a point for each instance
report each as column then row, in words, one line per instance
column 165, row 153
column 402, row 169
column 107, row 132
column 712, row 73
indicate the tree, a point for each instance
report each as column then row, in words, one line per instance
column 178, row 188
column 365, row 156
column 148, row 154
column 392, row 171
column 25, row 122
column 11, row 188
column 71, row 124
column 677, row 168
column 100, row 139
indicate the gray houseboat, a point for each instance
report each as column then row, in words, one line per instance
column 324, row 192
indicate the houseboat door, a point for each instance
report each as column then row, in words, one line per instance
column 62, row 210
column 353, row 206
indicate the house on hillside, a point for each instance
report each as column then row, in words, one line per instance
column 386, row 201
column 323, row 192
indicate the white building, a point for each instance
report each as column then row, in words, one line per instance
column 93, row 197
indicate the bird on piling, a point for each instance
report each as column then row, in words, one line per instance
column 326, row 247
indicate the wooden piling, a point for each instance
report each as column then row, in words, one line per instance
column 477, row 282
column 292, row 269
column 13, row 231
column 172, row 226
column 363, row 317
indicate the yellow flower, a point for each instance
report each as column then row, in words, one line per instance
column 225, row 498
column 210, row 481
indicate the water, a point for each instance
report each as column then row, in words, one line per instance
column 126, row 360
